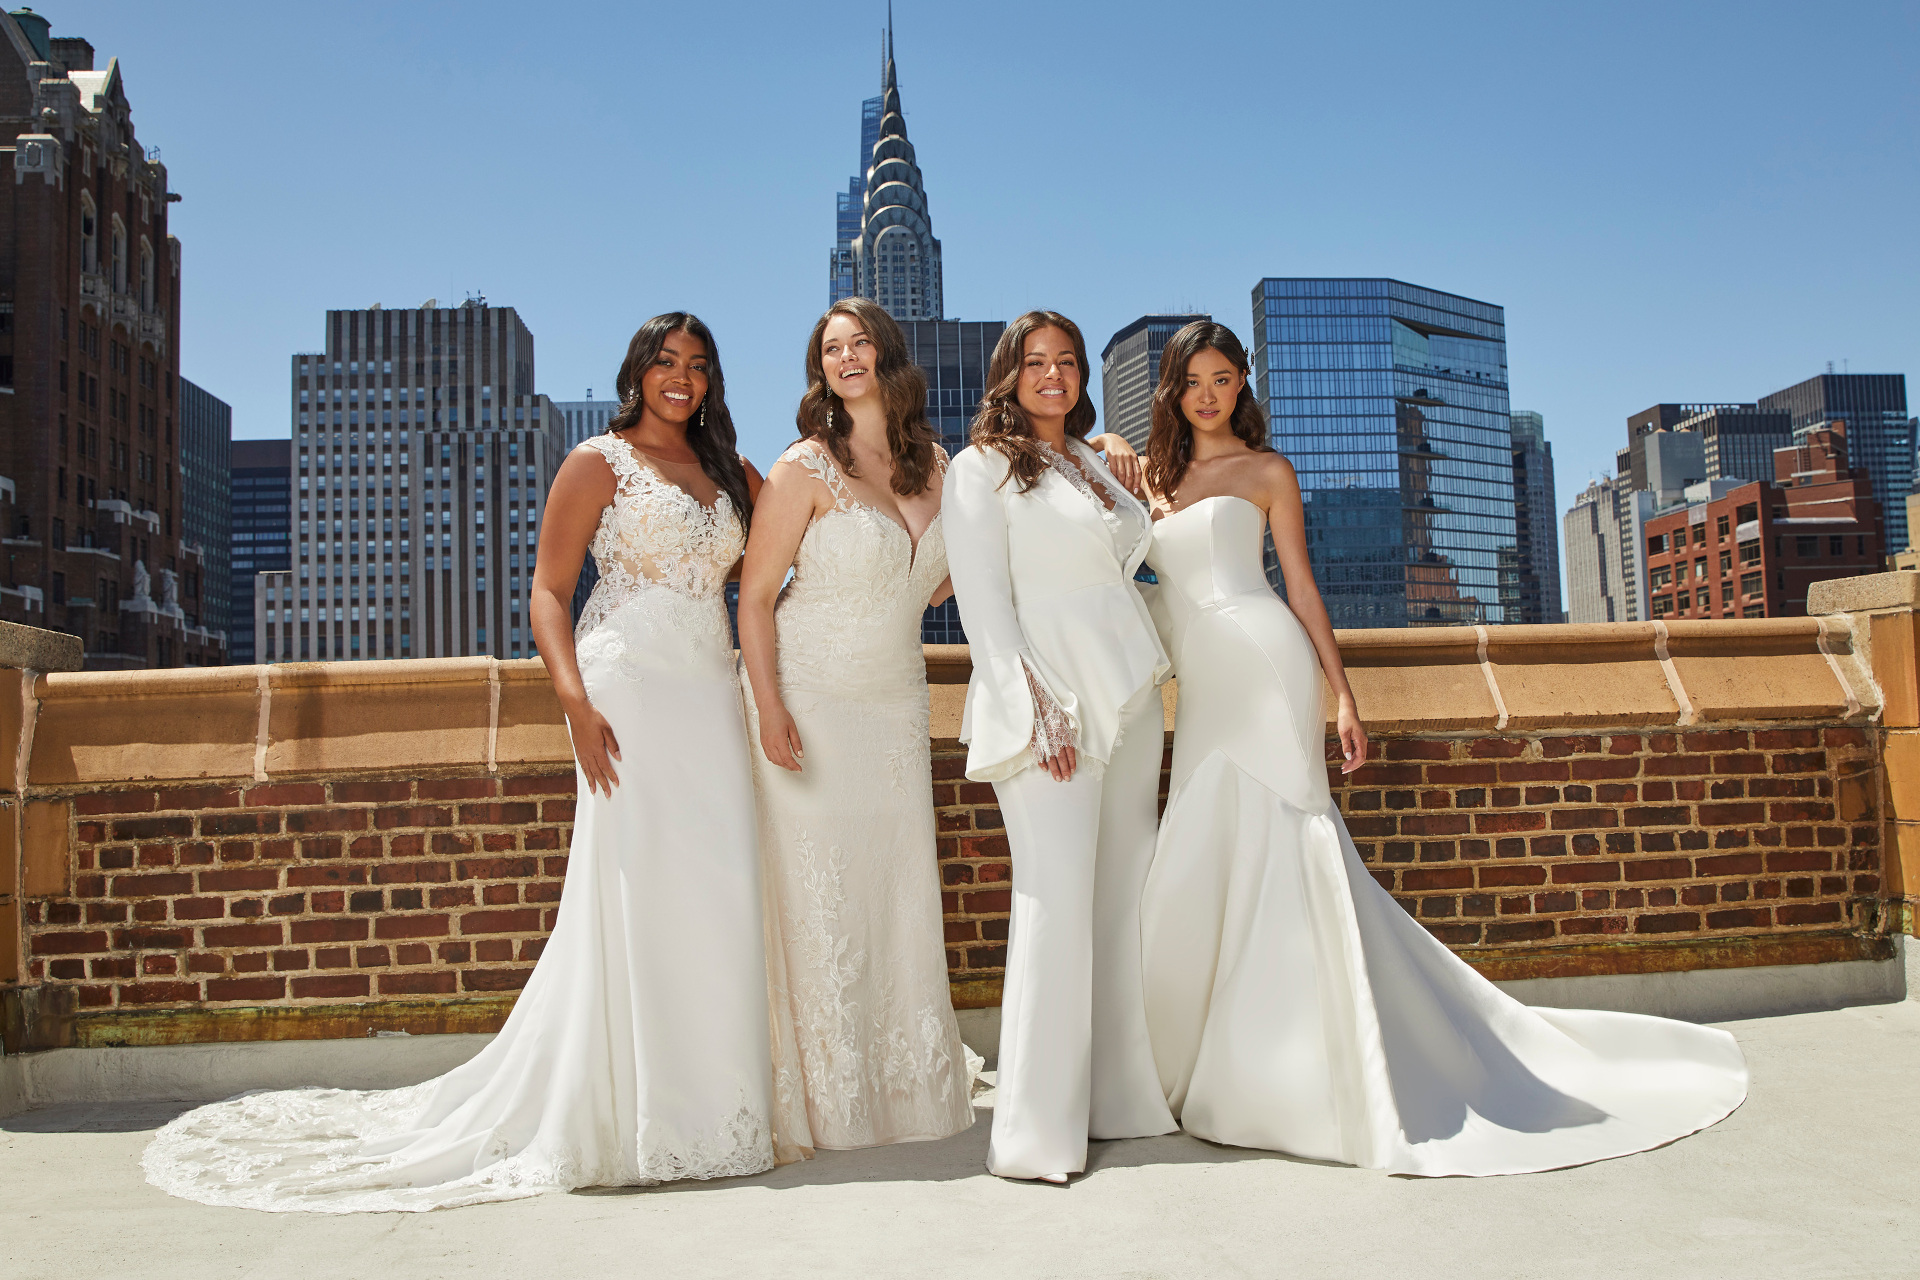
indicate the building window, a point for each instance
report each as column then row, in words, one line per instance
column 1750, row 552
column 89, row 240
column 1662, row 606
column 1752, row 584
column 1662, row 576
column 119, row 256
column 1836, row 545
column 1656, row 544
column 146, row 275
column 1806, row 546
column 1726, row 563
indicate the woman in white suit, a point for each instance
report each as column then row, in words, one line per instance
column 1063, row 717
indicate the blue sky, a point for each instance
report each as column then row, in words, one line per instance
column 1673, row 201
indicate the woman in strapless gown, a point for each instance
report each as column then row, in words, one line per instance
column 637, row 1052
column 866, row 1049
column 1292, row 1004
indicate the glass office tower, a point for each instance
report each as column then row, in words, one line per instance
column 1391, row 402
column 954, row 355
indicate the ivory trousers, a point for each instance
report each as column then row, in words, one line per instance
column 1075, row 1060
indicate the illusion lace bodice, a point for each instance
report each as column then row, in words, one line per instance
column 664, row 557
column 849, row 621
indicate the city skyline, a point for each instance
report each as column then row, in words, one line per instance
column 1563, row 236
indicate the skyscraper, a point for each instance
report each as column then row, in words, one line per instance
column 1130, row 370
column 1391, row 402
column 1534, row 594
column 260, row 485
column 890, row 255
column 1596, row 586
column 90, row 366
column 1879, row 438
column 206, row 438
column 582, row 418
column 378, row 577
column 1737, row 441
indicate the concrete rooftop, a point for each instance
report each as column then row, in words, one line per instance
column 1817, row 1175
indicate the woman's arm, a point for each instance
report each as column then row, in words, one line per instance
column 581, row 491
column 786, row 505
column 1288, row 520
column 1006, row 686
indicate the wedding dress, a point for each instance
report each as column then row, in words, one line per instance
column 866, row 1049
column 1292, row 1004
column 638, row 1051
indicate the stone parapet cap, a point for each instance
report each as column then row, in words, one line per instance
column 1869, row 593
column 429, row 715
column 32, row 647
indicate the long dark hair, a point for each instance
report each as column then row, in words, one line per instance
column 903, row 391
column 1170, row 441
column 1001, row 423
column 710, row 431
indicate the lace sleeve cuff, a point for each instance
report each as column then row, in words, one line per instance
column 1052, row 728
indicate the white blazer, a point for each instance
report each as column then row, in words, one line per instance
column 1038, row 580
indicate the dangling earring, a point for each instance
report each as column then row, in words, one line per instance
column 829, row 419
column 703, row 415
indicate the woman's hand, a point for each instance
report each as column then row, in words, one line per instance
column 1353, row 736
column 1061, row 763
column 593, row 744
column 1124, row 462
column 780, row 737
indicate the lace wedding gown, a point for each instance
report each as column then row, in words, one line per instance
column 1291, row 1003
column 638, row 1051
column 865, row 1047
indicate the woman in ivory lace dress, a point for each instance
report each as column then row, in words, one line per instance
column 865, row 1046
column 638, row 1051
column 1063, row 717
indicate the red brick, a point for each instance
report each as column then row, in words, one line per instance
column 333, row 986
column 1554, row 748
column 314, row 821
column 278, row 794
column 1535, row 771
column 163, row 884
column 1499, row 876
column 1462, row 775
column 1581, row 926
column 99, row 802
column 563, row 784
column 421, row 926
column 153, row 828
column 1784, row 860
column 494, row 979
column 1496, row 748
column 1495, row 823
column 242, row 935
column 1808, row 913
column 1729, row 864
column 1728, row 815
column 164, row 992
column 988, row 901
column 1585, row 872
column 1658, row 869
column 1579, row 819
column 344, row 929
column 1676, row 922
column 419, row 815
column 59, row 944
column 440, row 982
column 239, row 879
column 1435, row 824
column 371, row 792
column 1594, row 770
column 1418, row 879
column 339, row 873
column 524, row 920
column 239, row 824
column 1416, row 749
column 412, row 872
column 456, row 788
column 1519, row 930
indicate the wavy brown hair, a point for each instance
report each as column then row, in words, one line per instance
column 710, row 431
column 1170, row 441
column 1001, row 423
column 903, row 389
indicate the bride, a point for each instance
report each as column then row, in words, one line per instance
column 866, row 1049
column 638, row 1051
column 1291, row 1003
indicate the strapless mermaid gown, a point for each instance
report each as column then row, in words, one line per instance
column 1292, row 1004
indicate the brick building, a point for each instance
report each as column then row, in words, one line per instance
column 1751, row 552
column 94, row 542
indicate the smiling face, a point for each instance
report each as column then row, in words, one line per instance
column 848, row 358
column 1049, row 375
column 673, row 386
column 1213, row 387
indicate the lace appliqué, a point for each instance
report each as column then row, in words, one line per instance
column 1069, row 470
column 663, row 557
column 1052, row 728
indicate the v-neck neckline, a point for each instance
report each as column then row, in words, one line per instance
column 646, row 462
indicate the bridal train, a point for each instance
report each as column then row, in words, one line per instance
column 1293, row 1005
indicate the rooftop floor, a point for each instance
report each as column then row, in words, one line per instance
column 1817, row 1175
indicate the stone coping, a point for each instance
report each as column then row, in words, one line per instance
column 422, row 716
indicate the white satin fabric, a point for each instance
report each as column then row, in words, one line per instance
column 1292, row 1004
column 1044, row 579
column 866, row 1049
column 638, row 1051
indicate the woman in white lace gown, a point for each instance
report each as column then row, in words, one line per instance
column 865, row 1046
column 1293, row 1005
column 1063, row 717
column 638, row 1051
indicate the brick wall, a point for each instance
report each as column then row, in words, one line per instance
column 305, row 891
